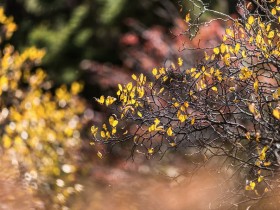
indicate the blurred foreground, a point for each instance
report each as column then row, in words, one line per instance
column 137, row 186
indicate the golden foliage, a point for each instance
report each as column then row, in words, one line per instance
column 39, row 131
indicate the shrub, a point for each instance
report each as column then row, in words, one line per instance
column 39, row 130
column 227, row 105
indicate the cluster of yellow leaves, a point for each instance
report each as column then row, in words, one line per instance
column 128, row 94
column 39, row 130
column 108, row 101
column 203, row 75
column 182, row 111
column 245, row 73
column 155, row 127
column 161, row 72
column 105, row 133
column 8, row 25
column 262, row 157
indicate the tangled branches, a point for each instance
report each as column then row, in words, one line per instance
column 225, row 106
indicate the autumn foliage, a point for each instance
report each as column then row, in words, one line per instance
column 39, row 129
column 226, row 105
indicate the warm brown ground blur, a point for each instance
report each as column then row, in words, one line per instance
column 13, row 194
column 146, row 185
column 132, row 187
column 135, row 186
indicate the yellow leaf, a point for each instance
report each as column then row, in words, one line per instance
column 180, row 61
column 247, row 187
column 102, row 133
column 108, row 134
column 7, row 142
column 231, row 89
column 134, row 77
column 141, row 78
column 252, row 108
column 216, row 50
column 276, row 113
column 129, row 86
column 270, row 35
column 251, row 19
column 214, row 89
column 256, row 86
column 267, row 163
column 248, row 135
column 169, row 131
column 182, row 117
column 113, row 122
column 176, row 104
column 206, row 56
column 229, row 32
column 260, row 178
column 252, row 185
column 101, row 100
column 157, row 121
column 99, row 154
column 172, row 144
column 150, row 151
column 188, row 17
column 237, row 48
column 139, row 114
column 110, row 100
column 114, row 130
column 126, row 131
column 152, row 128
column 273, row 11
column 192, row 121
column 161, row 90
column 223, row 48
column 94, row 130
column 154, row 71
column 243, row 54
column 197, row 75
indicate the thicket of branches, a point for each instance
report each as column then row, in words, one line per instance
column 227, row 105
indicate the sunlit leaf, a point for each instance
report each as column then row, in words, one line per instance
column 169, row 131
column 270, row 35
column 256, row 86
column 134, row 77
column 139, row 114
column 223, row 48
column 113, row 122
column 180, row 61
column 237, row 48
column 101, row 100
column 216, row 50
column 276, row 113
column 260, row 178
column 214, row 88
column 252, row 185
column 188, row 17
column 150, row 151
column 129, row 86
column 154, row 71
column 251, row 19
column 99, row 154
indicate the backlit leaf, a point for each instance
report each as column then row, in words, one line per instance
column 276, row 113
column 251, row 19
column 169, row 131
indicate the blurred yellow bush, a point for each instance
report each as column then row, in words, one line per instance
column 39, row 130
